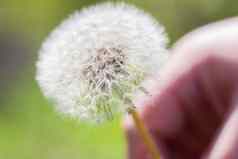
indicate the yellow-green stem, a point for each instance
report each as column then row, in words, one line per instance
column 144, row 134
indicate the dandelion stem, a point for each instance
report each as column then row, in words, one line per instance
column 144, row 134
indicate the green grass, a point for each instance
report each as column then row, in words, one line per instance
column 31, row 129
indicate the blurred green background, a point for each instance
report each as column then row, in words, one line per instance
column 29, row 127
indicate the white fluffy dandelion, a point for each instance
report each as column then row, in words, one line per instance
column 98, row 57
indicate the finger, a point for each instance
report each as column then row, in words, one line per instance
column 213, row 40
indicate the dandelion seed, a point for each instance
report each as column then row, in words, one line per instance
column 97, row 58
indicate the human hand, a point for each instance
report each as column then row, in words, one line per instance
column 193, row 110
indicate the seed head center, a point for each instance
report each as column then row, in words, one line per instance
column 105, row 68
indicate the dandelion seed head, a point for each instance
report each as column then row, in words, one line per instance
column 98, row 57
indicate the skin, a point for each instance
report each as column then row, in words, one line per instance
column 192, row 112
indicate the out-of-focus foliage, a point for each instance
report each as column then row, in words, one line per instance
column 29, row 127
